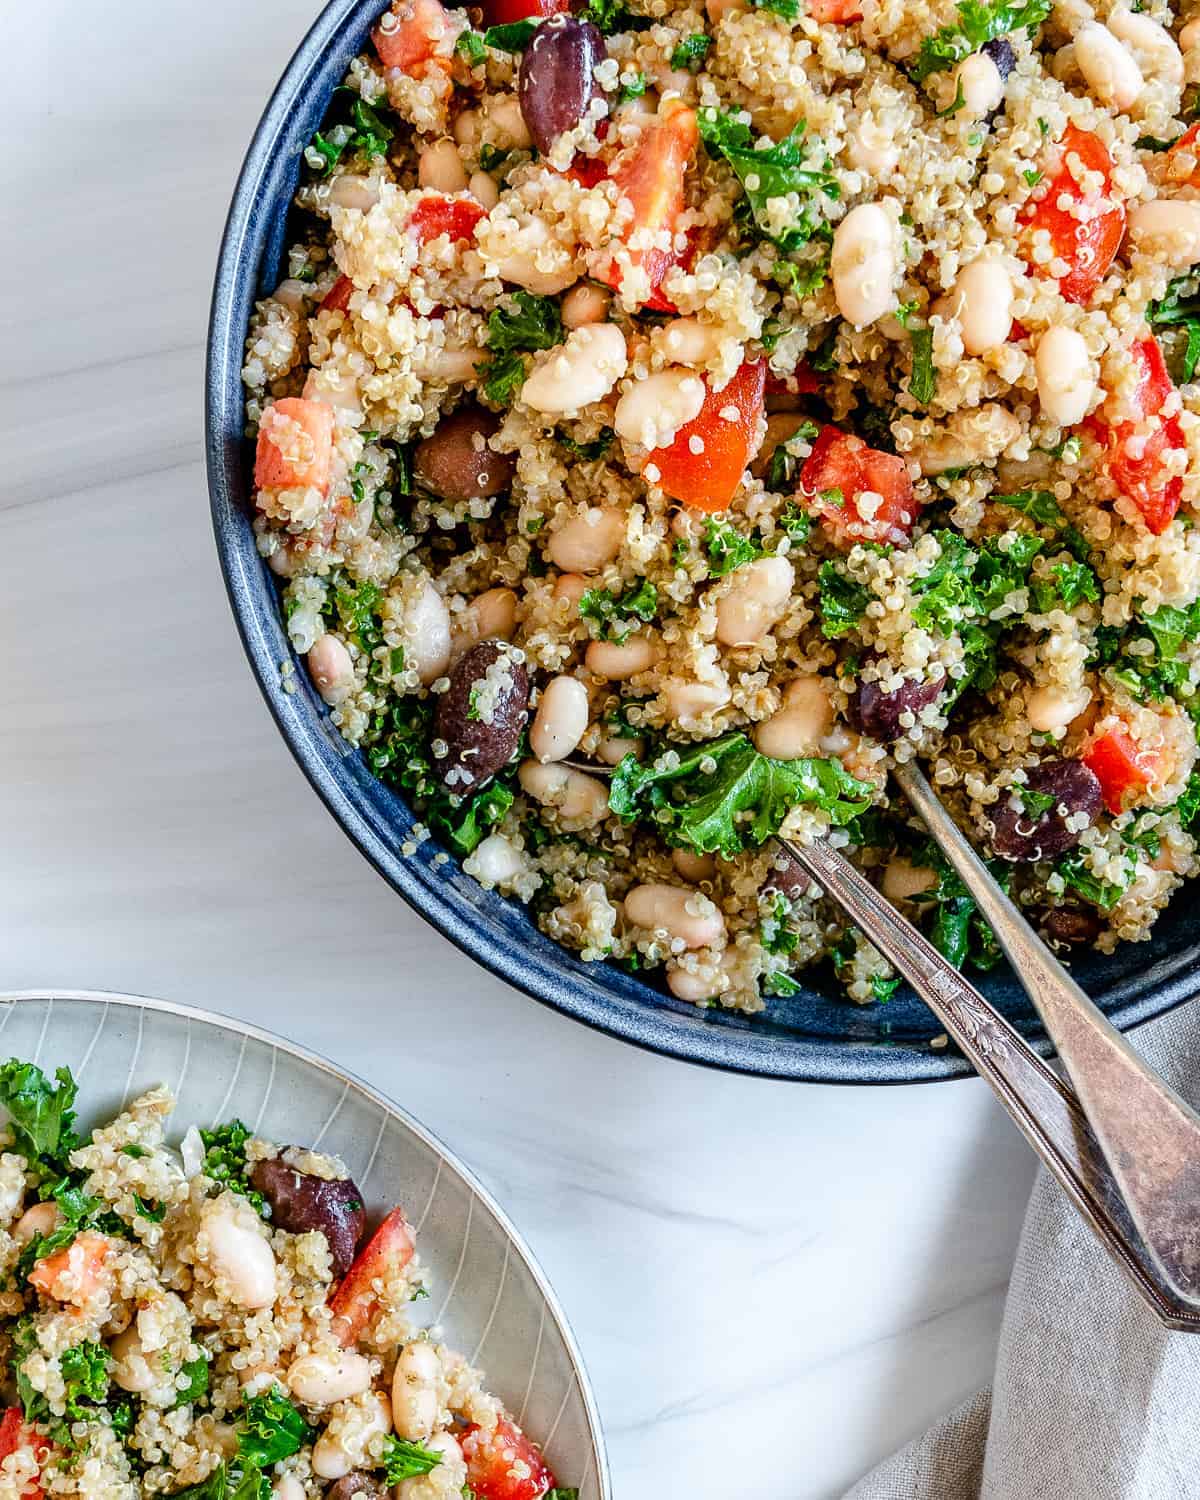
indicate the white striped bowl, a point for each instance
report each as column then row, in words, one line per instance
column 488, row 1294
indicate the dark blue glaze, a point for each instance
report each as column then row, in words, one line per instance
column 813, row 1035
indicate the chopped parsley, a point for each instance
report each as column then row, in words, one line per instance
column 613, row 617
column 354, row 608
column 225, row 1161
column 153, row 1213
column 772, row 174
column 610, row 16
column 788, row 9
column 691, row 52
column 85, row 1377
column 979, row 22
column 402, row 1460
column 723, row 796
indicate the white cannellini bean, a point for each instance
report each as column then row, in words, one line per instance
column 587, row 541
column 758, row 595
column 415, row 1402
column 687, row 341
column 440, row 167
column 468, row 127
column 685, row 985
column 1066, row 380
column 534, row 260
column 334, row 1455
column 240, row 1254
column 970, row 436
column 864, row 264
column 902, row 880
column 496, row 860
column 561, row 719
column 1050, row 709
column 613, row 748
column 616, row 662
column 318, row 1380
column 446, row 366
column 692, row 866
column 874, row 148
column 573, row 794
column 981, row 84
column 572, row 587
column 653, row 410
column 427, row 634
column 799, row 725
column 1108, row 66
column 679, row 911
column 982, row 301
column 578, row 372
column 287, row 1487
column 484, row 190
column 131, row 1370
column 1150, row 43
column 585, row 304
column 684, row 700
column 1169, row 230
column 351, row 191
column 292, row 293
column 504, row 115
column 42, row 1218
column 490, row 616
column 333, row 386
column 331, row 669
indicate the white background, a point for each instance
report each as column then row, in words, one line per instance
column 774, row 1285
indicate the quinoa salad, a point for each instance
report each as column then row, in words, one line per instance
column 672, row 413
column 215, row 1323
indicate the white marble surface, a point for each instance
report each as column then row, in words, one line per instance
column 774, row 1285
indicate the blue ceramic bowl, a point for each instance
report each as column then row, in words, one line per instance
column 813, row 1035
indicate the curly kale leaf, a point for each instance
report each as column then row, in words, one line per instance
column 978, row 24
column 775, row 172
column 42, row 1114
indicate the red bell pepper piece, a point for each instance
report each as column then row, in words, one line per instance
column 840, row 472
column 1086, row 243
column 725, row 426
column 337, row 298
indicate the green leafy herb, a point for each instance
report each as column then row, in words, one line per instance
column 137, row 1152
column 691, row 52
column 610, row 16
column 471, row 45
column 1034, row 803
column 589, row 451
column 154, row 1213
column 1084, row 882
column 615, row 617
column 196, row 1373
column 785, row 463
column 372, row 134
column 773, row 173
column 354, row 607
column 1044, row 510
column 41, row 1113
column 533, row 322
column 1068, row 584
column 727, row 548
column 633, row 90
column 922, row 385
column 561, row 1494
column 788, row 9
column 85, row 1374
column 1180, row 310
column 323, row 154
column 796, row 524
column 1153, row 143
column 978, row 23
column 957, row 103
column 958, row 932
column 773, row 930
column 403, row 1460
column 511, row 38
column 800, row 279
column 842, row 601
column 502, row 378
column 491, row 157
column 84, row 1370
column 723, row 795
column 271, row 1429
column 225, row 1161
column 884, row 986
column 229, row 1482
column 1032, row 176
column 946, row 593
column 1188, row 806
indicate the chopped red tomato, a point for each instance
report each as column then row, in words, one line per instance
column 337, row 298
column 651, row 175
column 1086, row 234
column 505, row 12
column 15, row 1434
column 409, row 34
column 839, row 12
column 295, row 445
column 1182, row 162
column 75, row 1274
column 503, row 1464
column 384, row 1255
column 1122, row 770
column 1137, row 449
column 1017, row 333
column 706, row 473
column 436, row 215
column 801, row 382
column 859, row 493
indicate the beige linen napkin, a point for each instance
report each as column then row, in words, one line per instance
column 1092, row 1399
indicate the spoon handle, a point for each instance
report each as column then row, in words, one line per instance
column 1044, row 1109
column 1150, row 1137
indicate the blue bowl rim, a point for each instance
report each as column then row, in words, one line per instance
column 757, row 1054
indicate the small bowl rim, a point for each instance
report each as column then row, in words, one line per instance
column 318, row 1060
column 751, row 1049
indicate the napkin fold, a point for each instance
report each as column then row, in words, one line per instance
column 1092, row 1399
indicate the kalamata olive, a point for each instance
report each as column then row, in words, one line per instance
column 1018, row 835
column 301, row 1201
column 785, row 878
column 999, row 49
column 456, row 463
column 481, row 715
column 556, row 84
column 1067, row 924
column 876, row 711
column 355, row 1483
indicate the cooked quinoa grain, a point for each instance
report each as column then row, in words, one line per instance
column 773, row 390
column 216, row 1322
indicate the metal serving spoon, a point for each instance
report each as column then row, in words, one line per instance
column 1047, row 1111
column 1149, row 1135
